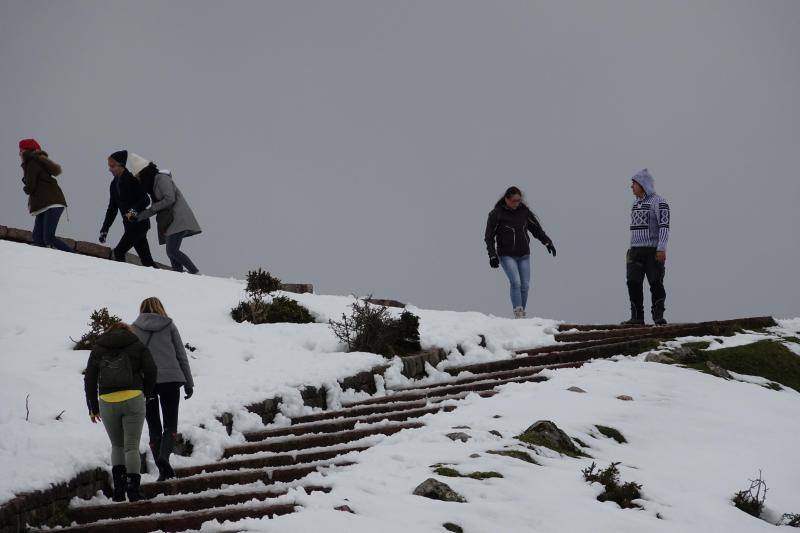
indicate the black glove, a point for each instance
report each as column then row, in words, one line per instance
column 494, row 262
column 189, row 391
column 550, row 248
column 103, row 235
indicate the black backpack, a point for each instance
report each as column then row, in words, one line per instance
column 115, row 371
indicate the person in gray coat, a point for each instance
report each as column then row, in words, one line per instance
column 174, row 218
column 158, row 332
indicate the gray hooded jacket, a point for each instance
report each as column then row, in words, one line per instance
column 161, row 336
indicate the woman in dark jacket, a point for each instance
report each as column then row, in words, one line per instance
column 45, row 199
column 159, row 333
column 508, row 244
column 122, row 371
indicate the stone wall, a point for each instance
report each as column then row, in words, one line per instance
column 48, row 507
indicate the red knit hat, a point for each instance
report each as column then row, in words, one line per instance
column 29, row 144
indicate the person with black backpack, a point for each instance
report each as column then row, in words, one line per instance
column 121, row 370
column 174, row 218
column 161, row 336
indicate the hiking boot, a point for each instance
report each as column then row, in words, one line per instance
column 637, row 317
column 658, row 313
column 165, row 471
column 133, row 490
column 120, row 483
column 519, row 312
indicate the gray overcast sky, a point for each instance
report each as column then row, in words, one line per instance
column 359, row 145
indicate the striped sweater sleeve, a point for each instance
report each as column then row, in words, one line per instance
column 663, row 224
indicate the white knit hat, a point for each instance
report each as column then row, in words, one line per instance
column 136, row 163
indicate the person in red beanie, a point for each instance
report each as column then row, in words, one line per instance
column 46, row 201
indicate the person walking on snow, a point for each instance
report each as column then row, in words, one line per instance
column 127, row 196
column 159, row 333
column 508, row 244
column 46, row 201
column 647, row 255
column 122, row 370
column 174, row 218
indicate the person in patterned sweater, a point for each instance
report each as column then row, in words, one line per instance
column 647, row 255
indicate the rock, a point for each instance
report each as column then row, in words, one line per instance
column 474, row 456
column 449, row 526
column 497, row 433
column 298, row 288
column 461, row 427
column 546, row 433
column 718, row 370
column 19, row 235
column 681, row 354
column 93, row 250
column 463, row 437
column 576, row 389
column 625, row 398
column 497, row 416
column 659, row 358
column 436, row 490
column 345, row 508
column 385, row 302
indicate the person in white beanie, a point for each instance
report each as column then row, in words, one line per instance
column 127, row 196
column 174, row 218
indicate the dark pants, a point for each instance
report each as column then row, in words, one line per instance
column 162, row 437
column 135, row 237
column 44, row 229
column 641, row 263
column 178, row 259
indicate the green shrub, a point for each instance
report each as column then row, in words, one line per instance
column 99, row 321
column 452, row 472
column 751, row 501
column 370, row 328
column 623, row 495
column 280, row 309
column 260, row 283
column 612, row 433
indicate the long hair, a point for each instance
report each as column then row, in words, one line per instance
column 118, row 325
column 153, row 305
column 147, row 176
column 514, row 191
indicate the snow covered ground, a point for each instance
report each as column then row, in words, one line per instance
column 48, row 297
column 694, row 440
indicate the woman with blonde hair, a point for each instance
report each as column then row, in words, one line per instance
column 121, row 369
column 159, row 333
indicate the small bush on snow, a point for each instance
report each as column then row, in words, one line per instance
column 370, row 328
column 99, row 321
column 623, row 495
column 258, row 311
column 751, row 500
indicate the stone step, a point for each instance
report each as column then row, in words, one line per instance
column 749, row 322
column 610, row 349
column 270, row 461
column 115, row 511
column 179, row 521
column 206, row 482
column 444, row 390
column 286, row 444
column 334, row 426
column 723, row 327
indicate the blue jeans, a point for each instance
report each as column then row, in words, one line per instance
column 178, row 259
column 44, row 229
column 518, row 271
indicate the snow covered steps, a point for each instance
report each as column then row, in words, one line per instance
column 749, row 322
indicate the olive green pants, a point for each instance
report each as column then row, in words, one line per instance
column 123, row 422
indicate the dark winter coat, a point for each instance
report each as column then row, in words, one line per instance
column 39, row 181
column 507, row 231
column 125, row 193
column 142, row 365
column 161, row 337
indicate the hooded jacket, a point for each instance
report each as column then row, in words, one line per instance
column 115, row 342
column 161, row 336
column 39, row 181
column 650, row 216
column 507, row 230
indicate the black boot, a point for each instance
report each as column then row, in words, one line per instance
column 165, row 471
column 134, row 492
column 120, row 483
column 637, row 317
column 658, row 313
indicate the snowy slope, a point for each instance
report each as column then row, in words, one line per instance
column 48, row 297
